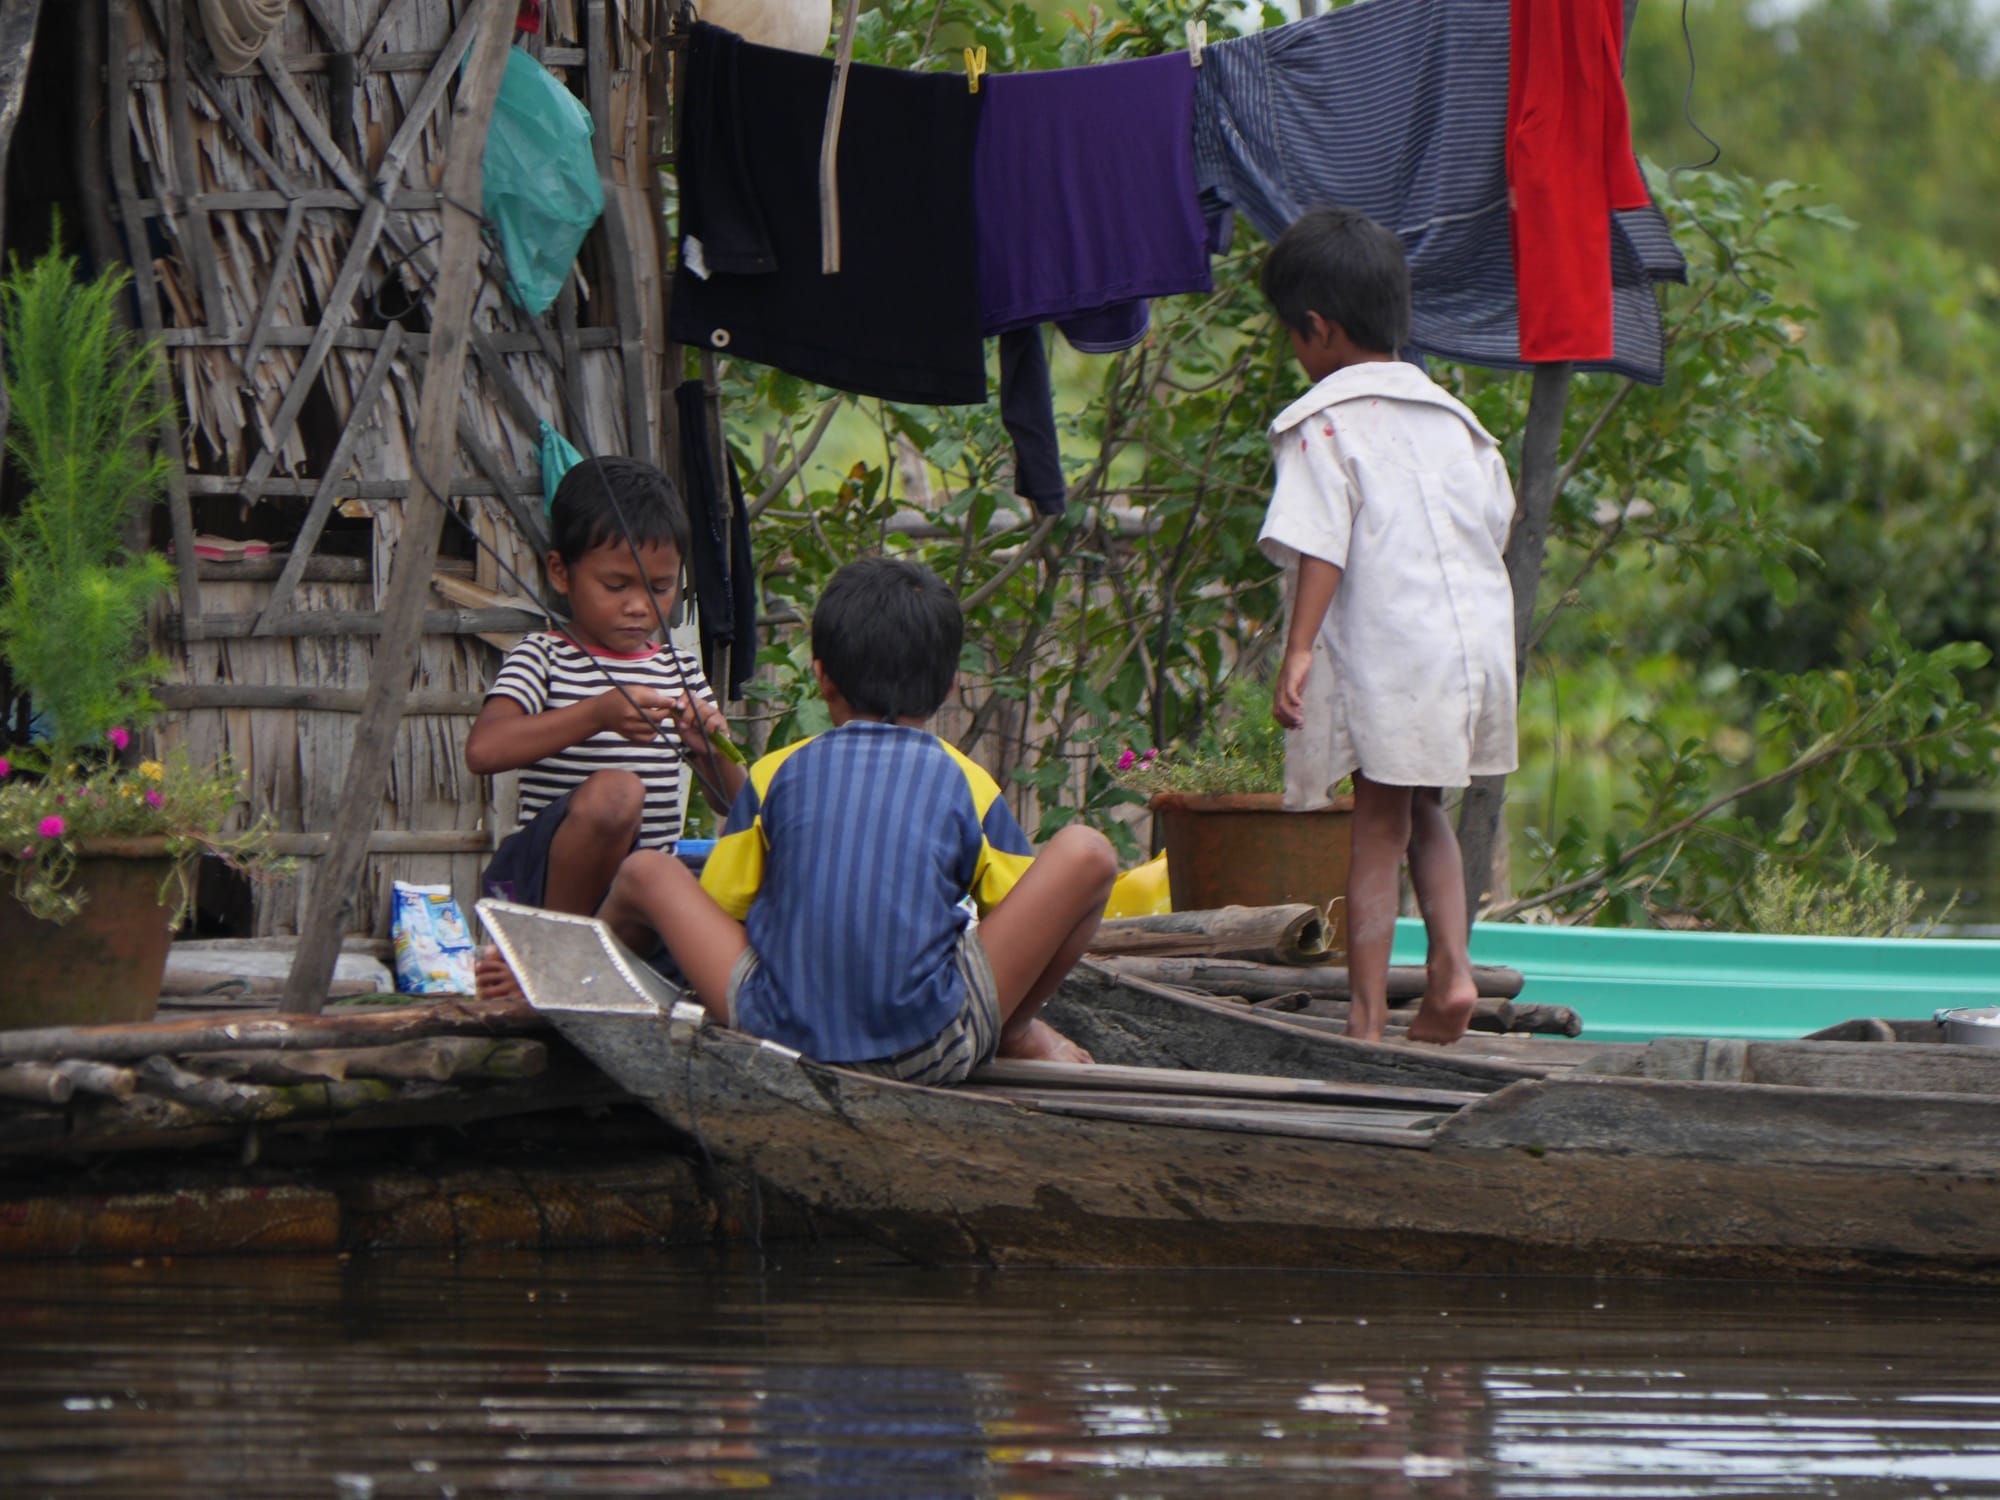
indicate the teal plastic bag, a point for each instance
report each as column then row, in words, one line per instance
column 541, row 187
column 559, row 456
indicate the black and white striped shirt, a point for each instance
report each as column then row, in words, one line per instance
column 548, row 671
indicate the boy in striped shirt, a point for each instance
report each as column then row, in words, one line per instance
column 829, row 918
column 597, row 716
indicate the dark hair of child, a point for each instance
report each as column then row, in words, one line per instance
column 888, row 633
column 592, row 496
column 1341, row 264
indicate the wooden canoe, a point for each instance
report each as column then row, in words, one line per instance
column 1837, row 1159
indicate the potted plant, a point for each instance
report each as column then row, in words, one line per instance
column 99, row 851
column 1230, row 841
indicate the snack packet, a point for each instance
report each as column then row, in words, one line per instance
column 433, row 947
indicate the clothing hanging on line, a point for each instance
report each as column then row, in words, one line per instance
column 1083, row 186
column 1084, row 193
column 900, row 320
column 1569, row 163
column 1400, row 108
column 721, row 574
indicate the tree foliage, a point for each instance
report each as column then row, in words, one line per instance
column 1780, row 685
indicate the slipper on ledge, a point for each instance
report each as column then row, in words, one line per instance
column 211, row 548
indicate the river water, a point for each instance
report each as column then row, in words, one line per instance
column 832, row 1372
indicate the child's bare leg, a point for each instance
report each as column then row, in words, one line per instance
column 597, row 833
column 655, row 895
column 1438, row 872
column 1381, row 832
column 1034, row 937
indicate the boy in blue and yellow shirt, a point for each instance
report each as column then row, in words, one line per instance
column 828, row 918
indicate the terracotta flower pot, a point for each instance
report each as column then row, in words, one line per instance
column 103, row 965
column 1245, row 849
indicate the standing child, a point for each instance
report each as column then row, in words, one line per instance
column 593, row 715
column 1390, row 515
column 829, row 917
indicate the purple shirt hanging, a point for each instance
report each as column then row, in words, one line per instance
column 1083, row 187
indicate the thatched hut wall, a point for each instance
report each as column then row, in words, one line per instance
column 295, row 348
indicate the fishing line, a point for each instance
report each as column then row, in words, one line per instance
column 1714, row 156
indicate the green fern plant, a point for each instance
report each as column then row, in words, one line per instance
column 1866, row 899
column 84, row 415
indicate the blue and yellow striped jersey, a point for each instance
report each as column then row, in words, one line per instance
column 846, row 857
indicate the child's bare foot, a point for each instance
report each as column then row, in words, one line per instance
column 1445, row 1014
column 492, row 979
column 1042, row 1042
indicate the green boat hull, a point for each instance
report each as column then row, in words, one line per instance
column 1632, row 985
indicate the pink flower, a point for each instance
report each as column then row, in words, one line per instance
column 154, row 799
column 1127, row 761
column 1149, row 757
column 50, row 827
column 6, row 768
column 118, row 737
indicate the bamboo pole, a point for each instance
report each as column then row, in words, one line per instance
column 1255, row 981
column 434, row 453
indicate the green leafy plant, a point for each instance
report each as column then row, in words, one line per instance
column 1866, row 899
column 1240, row 749
column 72, row 615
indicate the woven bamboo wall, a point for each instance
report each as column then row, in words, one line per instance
column 273, row 217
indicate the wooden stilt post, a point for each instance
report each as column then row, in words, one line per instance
column 435, row 455
column 1479, row 819
column 17, row 50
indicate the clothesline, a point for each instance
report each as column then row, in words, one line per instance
column 1493, row 139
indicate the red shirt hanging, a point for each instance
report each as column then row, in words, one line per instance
column 1569, row 164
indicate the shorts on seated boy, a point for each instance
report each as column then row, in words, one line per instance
column 829, row 916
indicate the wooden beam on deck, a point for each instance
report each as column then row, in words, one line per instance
column 435, row 453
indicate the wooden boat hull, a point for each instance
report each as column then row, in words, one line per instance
column 1558, row 1174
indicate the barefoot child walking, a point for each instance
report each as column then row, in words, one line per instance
column 1390, row 515
column 828, row 918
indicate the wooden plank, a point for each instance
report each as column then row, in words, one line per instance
column 1743, row 1123
column 280, row 273
column 232, row 626
column 371, row 338
column 1295, row 934
column 378, row 35
column 1120, row 1019
column 1024, row 1073
column 434, row 453
column 131, row 1044
column 1244, row 1121
column 617, row 237
column 1871, row 1067
column 389, row 841
column 378, row 63
column 359, row 416
column 337, row 307
column 1195, row 1107
column 197, row 238
column 184, row 697
column 374, row 491
column 264, row 569
column 1255, row 981
column 146, row 292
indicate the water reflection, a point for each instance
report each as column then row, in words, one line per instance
column 839, row 1375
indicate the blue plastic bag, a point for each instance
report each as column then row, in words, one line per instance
column 541, row 187
column 559, row 456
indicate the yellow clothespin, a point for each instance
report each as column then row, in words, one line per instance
column 1197, row 34
column 975, row 64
